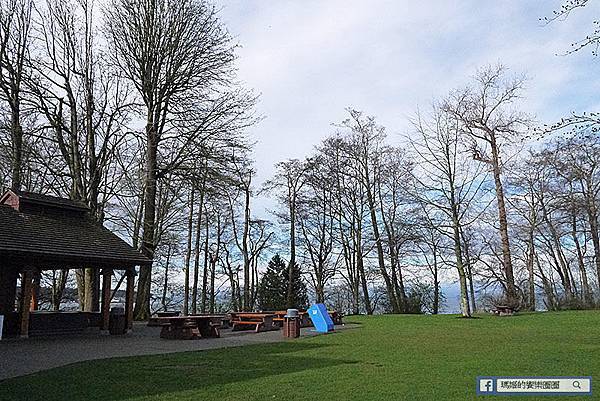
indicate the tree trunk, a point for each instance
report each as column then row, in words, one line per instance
column 558, row 253
column 511, row 292
column 142, row 302
column 530, row 266
column 380, row 255
column 205, row 270
column 361, row 271
column 246, row 299
column 166, row 281
column 436, row 283
column 587, row 292
column 188, row 256
column 464, row 295
column 17, row 143
column 58, row 289
column 593, row 221
column 468, row 269
column 197, row 256
column 292, row 262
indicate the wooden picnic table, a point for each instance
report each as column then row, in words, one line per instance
column 504, row 310
column 189, row 327
column 280, row 317
column 336, row 316
column 248, row 320
column 154, row 322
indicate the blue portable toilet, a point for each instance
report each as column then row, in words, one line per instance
column 320, row 318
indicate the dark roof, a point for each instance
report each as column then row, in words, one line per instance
column 33, row 197
column 54, row 239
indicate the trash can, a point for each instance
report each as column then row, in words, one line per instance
column 116, row 321
column 291, row 324
column 1, row 325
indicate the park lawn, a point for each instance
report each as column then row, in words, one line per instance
column 393, row 357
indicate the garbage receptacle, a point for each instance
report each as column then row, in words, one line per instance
column 116, row 321
column 291, row 324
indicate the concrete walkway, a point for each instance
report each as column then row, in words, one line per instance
column 20, row 357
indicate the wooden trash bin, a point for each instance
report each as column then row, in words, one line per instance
column 291, row 324
column 117, row 324
column 291, row 327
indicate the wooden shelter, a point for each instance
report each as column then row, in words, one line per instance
column 40, row 232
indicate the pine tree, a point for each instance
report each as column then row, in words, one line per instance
column 272, row 291
column 299, row 299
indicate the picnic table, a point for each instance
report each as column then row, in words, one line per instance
column 248, row 320
column 504, row 310
column 280, row 317
column 154, row 322
column 336, row 316
column 189, row 327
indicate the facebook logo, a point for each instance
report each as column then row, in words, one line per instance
column 486, row 385
column 539, row 385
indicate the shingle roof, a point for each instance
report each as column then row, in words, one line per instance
column 50, row 200
column 63, row 238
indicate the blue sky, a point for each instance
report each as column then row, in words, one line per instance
column 310, row 59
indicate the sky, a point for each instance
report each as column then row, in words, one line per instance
column 310, row 59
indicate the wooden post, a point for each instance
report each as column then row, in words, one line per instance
column 106, row 295
column 24, row 308
column 130, row 273
column 96, row 290
column 35, row 291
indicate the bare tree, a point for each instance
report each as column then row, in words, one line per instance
column 447, row 184
column 364, row 147
column 167, row 49
column 290, row 178
column 317, row 222
column 15, row 40
column 490, row 122
column 350, row 212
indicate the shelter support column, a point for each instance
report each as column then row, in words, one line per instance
column 106, row 297
column 35, row 291
column 130, row 275
column 25, row 306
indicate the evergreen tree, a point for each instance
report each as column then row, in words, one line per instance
column 274, row 283
column 299, row 299
column 272, row 289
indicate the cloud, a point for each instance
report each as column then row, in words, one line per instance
column 310, row 59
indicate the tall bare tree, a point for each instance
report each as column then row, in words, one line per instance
column 447, row 185
column 491, row 122
column 15, row 41
column 167, row 49
column 290, row 178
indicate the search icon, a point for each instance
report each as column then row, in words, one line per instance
column 576, row 384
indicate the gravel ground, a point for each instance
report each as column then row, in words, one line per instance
column 20, row 357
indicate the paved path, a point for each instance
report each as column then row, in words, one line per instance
column 24, row 356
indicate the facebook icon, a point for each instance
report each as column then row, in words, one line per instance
column 486, row 385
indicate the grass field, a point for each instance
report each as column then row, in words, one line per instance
column 386, row 358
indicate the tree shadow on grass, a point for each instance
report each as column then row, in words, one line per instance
column 160, row 375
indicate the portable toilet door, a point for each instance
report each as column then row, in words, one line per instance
column 320, row 318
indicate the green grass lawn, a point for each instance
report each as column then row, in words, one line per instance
column 386, row 358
